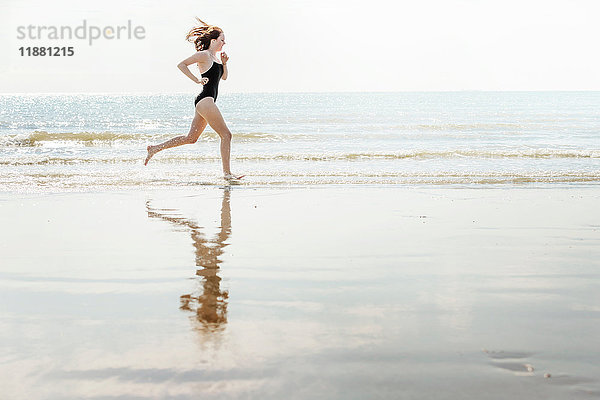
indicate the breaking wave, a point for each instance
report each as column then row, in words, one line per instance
column 38, row 138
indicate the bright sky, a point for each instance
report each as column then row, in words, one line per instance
column 314, row 45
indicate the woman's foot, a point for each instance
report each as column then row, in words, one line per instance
column 151, row 151
column 232, row 176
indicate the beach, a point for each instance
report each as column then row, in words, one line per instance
column 219, row 201
column 308, row 291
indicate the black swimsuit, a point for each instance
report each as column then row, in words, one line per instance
column 211, row 89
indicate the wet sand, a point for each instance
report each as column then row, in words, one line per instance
column 327, row 292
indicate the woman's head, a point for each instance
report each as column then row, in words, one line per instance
column 205, row 36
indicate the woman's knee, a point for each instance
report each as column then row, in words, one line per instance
column 192, row 138
column 225, row 135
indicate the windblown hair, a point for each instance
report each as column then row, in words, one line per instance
column 203, row 34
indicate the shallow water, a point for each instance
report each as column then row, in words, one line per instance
column 75, row 142
column 323, row 292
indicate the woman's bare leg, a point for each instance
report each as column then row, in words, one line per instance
column 198, row 125
column 210, row 112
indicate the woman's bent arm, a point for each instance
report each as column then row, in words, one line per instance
column 224, row 60
column 194, row 58
column 187, row 72
column 225, row 74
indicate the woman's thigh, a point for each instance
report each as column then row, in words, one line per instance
column 198, row 125
column 210, row 112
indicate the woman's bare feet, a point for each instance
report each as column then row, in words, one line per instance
column 151, row 151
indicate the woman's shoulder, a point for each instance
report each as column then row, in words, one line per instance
column 202, row 57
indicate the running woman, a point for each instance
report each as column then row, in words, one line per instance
column 208, row 40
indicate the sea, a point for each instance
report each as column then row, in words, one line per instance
column 56, row 142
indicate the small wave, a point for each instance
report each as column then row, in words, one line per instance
column 419, row 154
column 132, row 157
column 37, row 138
column 463, row 127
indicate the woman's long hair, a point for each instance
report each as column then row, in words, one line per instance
column 203, row 34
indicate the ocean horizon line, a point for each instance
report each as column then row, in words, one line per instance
column 297, row 92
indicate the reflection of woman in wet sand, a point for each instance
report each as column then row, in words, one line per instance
column 210, row 305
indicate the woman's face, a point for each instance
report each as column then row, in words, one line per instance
column 220, row 42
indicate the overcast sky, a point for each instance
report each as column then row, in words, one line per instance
column 313, row 45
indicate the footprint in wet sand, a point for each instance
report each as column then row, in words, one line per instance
column 517, row 362
column 512, row 361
